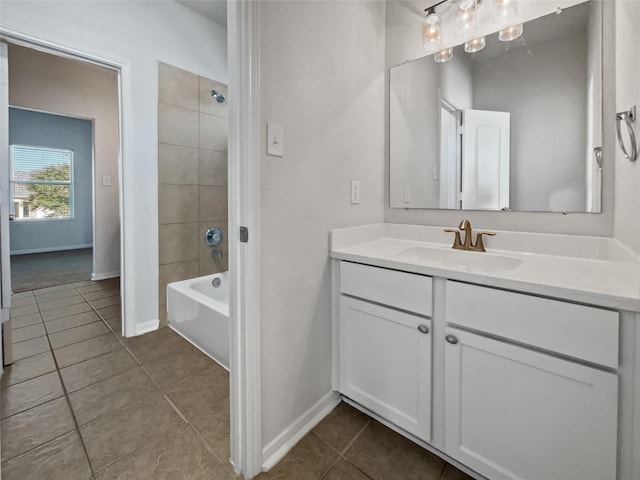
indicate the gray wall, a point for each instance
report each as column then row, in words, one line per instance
column 548, row 120
column 48, row 130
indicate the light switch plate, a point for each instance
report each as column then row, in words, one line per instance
column 355, row 192
column 275, row 140
column 106, row 181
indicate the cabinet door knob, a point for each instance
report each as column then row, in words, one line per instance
column 423, row 329
column 452, row 339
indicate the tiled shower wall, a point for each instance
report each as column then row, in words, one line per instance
column 192, row 176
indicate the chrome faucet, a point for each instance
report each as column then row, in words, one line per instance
column 468, row 244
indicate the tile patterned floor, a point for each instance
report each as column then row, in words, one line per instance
column 83, row 403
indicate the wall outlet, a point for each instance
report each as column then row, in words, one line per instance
column 275, row 140
column 355, row 192
column 407, row 194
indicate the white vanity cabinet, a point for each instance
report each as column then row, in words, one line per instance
column 521, row 410
column 385, row 350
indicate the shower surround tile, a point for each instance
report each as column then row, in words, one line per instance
column 178, row 242
column 174, row 272
column 177, row 203
column 177, row 126
column 177, row 165
column 213, row 203
column 212, row 167
column 213, row 133
column 178, row 87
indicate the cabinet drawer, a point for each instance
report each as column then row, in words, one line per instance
column 586, row 333
column 406, row 291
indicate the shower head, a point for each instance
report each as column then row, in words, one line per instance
column 218, row 96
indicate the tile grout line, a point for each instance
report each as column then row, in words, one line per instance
column 68, row 400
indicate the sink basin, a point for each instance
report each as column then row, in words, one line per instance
column 487, row 262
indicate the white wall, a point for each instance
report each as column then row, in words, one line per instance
column 404, row 42
column 46, row 82
column 27, row 127
column 545, row 90
column 322, row 79
column 138, row 34
column 627, row 220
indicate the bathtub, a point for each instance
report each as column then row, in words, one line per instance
column 200, row 313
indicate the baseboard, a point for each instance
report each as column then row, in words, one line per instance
column 50, row 249
column 146, row 327
column 104, row 276
column 280, row 446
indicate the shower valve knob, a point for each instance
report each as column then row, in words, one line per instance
column 213, row 236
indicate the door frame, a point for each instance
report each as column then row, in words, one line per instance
column 243, row 34
column 125, row 107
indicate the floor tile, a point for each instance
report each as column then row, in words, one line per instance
column 29, row 348
column 156, row 345
column 60, row 459
column 36, row 426
column 94, row 370
column 343, row 470
column 341, row 426
column 46, row 297
column 97, row 287
column 115, row 324
column 22, row 302
column 60, row 302
column 86, row 349
column 26, row 320
column 111, row 394
column 110, row 292
column 110, row 312
column 21, row 295
column 65, row 311
column 195, row 392
column 384, row 454
column 113, row 436
column 77, row 334
column 310, row 459
column 214, row 425
column 27, row 333
column 28, row 368
column 30, row 393
column 177, row 365
column 55, row 289
column 66, row 323
column 176, row 454
column 21, row 311
column 452, row 473
column 105, row 302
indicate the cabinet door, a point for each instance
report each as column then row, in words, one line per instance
column 385, row 363
column 513, row 413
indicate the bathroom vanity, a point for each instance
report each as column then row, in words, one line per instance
column 517, row 363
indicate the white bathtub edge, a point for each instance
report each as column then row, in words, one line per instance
column 280, row 446
column 146, row 327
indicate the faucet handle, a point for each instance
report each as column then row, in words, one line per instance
column 457, row 243
column 479, row 246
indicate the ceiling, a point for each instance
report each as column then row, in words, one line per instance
column 215, row 10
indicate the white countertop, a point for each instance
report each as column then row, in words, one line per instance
column 593, row 270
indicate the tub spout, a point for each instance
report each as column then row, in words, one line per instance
column 216, row 254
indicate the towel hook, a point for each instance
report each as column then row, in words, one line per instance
column 628, row 117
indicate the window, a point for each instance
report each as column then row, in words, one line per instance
column 41, row 182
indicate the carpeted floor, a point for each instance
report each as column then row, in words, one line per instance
column 41, row 270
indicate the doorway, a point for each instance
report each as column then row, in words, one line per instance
column 62, row 174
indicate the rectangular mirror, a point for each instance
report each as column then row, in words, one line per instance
column 515, row 126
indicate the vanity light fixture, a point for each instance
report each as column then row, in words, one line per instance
column 464, row 19
column 475, row 44
column 443, row 55
column 431, row 33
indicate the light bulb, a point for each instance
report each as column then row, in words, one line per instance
column 431, row 33
column 505, row 11
column 443, row 55
column 475, row 45
column 466, row 17
column 511, row 33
